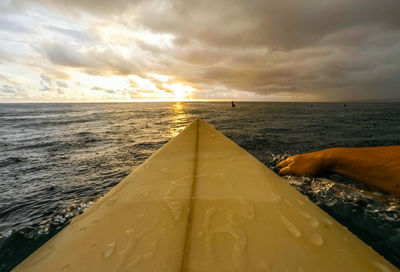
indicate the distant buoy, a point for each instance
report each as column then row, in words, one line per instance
column 233, row 104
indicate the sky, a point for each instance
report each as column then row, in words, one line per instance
column 145, row 50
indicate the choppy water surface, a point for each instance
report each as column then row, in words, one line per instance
column 57, row 159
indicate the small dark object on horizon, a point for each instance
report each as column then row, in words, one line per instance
column 233, row 104
column 344, row 105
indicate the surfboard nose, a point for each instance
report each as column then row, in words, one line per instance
column 202, row 203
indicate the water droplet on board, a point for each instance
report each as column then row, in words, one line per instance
column 93, row 246
column 176, row 208
column 111, row 202
column 264, row 267
column 129, row 231
column 276, row 197
column 287, row 202
column 145, row 192
column 328, row 221
column 108, row 251
column 316, row 239
column 65, row 268
column 83, row 229
column 290, row 227
column 381, row 266
column 164, row 170
column 95, row 222
column 313, row 222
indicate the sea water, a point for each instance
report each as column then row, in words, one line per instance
column 57, row 159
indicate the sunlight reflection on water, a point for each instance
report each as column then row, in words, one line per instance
column 56, row 159
column 179, row 117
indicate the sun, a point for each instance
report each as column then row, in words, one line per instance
column 180, row 91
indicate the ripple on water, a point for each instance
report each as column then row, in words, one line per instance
column 104, row 141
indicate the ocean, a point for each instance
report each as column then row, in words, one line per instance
column 57, row 159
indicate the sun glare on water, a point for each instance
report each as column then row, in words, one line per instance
column 179, row 118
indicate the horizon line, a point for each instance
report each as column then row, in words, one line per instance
column 387, row 100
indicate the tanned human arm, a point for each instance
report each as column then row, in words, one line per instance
column 376, row 167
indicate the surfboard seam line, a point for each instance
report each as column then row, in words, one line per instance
column 187, row 242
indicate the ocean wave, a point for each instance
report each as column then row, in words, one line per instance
column 53, row 166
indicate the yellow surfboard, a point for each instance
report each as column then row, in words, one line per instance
column 202, row 203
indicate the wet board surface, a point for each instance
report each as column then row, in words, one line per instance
column 202, row 203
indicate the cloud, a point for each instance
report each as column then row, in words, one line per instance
column 46, row 79
column 46, row 83
column 277, row 24
column 326, row 49
column 98, row 7
column 55, row 73
column 281, row 24
column 12, row 26
column 7, row 89
column 330, row 49
column 97, row 88
column 96, row 60
column 76, row 34
column 4, row 57
column 62, row 84
column 68, row 55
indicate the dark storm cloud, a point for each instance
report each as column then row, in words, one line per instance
column 331, row 49
column 277, row 24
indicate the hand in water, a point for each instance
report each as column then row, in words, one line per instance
column 309, row 164
column 376, row 167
